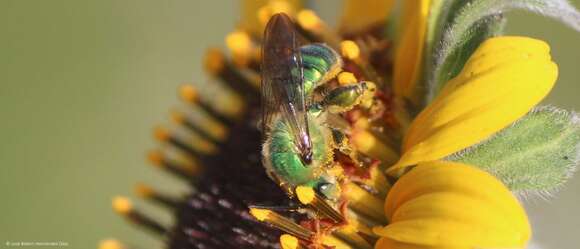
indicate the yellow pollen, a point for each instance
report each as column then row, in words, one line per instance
column 281, row 222
column 189, row 93
column 205, row 146
column 214, row 61
column 308, row 19
column 155, row 157
column 214, row 128
column 273, row 7
column 264, row 15
column 239, row 42
column 191, row 167
column 260, row 214
column 317, row 28
column 143, row 190
column 336, row 170
column 111, row 244
column 288, row 241
column 122, row 205
column 349, row 49
column 345, row 78
column 177, row 117
column 305, row 194
column 161, row 133
column 280, row 6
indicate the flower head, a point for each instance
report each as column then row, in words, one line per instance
column 388, row 142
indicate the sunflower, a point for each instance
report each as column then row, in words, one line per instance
column 435, row 158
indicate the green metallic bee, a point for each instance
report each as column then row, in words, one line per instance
column 299, row 143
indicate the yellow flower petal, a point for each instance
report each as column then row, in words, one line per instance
column 442, row 204
column 250, row 20
column 386, row 243
column 409, row 51
column 360, row 14
column 501, row 82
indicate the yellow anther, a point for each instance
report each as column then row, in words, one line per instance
column 144, row 190
column 161, row 134
column 345, row 78
column 122, row 205
column 190, row 167
column 281, row 222
column 280, row 6
column 239, row 42
column 189, row 93
column 305, row 194
column 273, row 7
column 260, row 214
column 155, row 157
column 214, row 61
column 111, row 244
column 177, row 117
column 308, row 19
column 288, row 241
column 349, row 49
column 264, row 14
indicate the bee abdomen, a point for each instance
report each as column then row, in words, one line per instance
column 284, row 159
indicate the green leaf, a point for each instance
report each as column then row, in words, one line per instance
column 534, row 156
column 440, row 14
column 470, row 22
column 439, row 11
column 488, row 27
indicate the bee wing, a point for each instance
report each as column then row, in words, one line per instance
column 282, row 79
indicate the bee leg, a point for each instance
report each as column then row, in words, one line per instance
column 296, row 209
column 346, row 97
column 342, row 143
column 343, row 146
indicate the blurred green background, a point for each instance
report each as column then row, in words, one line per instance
column 83, row 82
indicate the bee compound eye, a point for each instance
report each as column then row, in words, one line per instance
column 306, row 157
column 323, row 186
column 328, row 190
